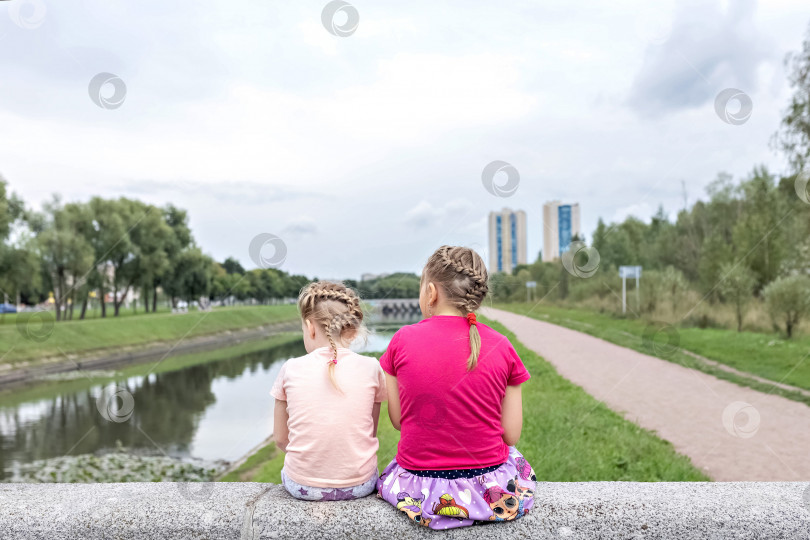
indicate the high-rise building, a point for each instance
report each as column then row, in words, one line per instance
column 560, row 225
column 507, row 240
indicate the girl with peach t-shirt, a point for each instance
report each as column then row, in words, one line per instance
column 328, row 402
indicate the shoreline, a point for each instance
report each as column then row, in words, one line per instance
column 236, row 464
column 18, row 377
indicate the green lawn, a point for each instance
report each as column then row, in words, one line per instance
column 95, row 335
column 567, row 436
column 766, row 355
column 95, row 312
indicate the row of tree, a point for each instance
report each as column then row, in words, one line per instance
column 109, row 248
column 397, row 285
column 749, row 239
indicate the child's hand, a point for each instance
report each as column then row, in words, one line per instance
column 281, row 434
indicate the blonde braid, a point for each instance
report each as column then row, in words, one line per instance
column 463, row 276
column 336, row 308
column 328, row 330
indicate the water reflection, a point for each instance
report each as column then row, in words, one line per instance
column 215, row 410
column 382, row 328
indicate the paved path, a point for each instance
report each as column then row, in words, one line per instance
column 768, row 439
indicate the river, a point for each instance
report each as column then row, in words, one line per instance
column 214, row 410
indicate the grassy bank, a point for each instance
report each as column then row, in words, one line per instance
column 21, row 344
column 263, row 466
column 765, row 355
column 567, row 436
column 80, row 380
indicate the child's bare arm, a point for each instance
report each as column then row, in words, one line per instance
column 393, row 400
column 375, row 414
column 281, row 434
column 512, row 415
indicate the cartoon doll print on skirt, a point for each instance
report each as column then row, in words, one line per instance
column 443, row 501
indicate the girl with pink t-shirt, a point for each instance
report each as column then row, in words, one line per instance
column 328, row 401
column 454, row 393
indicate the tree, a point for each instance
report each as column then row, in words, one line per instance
column 198, row 279
column 788, row 299
column 674, row 284
column 11, row 209
column 191, row 277
column 397, row 285
column 65, row 254
column 84, row 224
column 232, row 266
column 19, row 264
column 179, row 240
column 20, row 275
column 519, row 268
column 111, row 244
column 794, row 135
column 722, row 212
column 220, row 282
column 296, row 282
column 504, row 287
column 126, row 253
column 151, row 235
column 759, row 232
column 737, row 287
column 257, row 286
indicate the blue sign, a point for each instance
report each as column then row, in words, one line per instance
column 499, row 247
column 564, row 226
column 513, row 220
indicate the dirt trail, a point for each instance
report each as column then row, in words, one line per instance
column 732, row 433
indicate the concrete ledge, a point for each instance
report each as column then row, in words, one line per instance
column 251, row 511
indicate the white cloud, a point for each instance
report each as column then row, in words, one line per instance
column 707, row 49
column 453, row 214
column 256, row 119
column 300, row 228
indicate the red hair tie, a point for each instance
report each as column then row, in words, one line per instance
column 471, row 318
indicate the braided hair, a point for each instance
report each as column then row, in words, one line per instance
column 337, row 309
column 462, row 275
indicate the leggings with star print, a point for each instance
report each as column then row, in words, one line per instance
column 309, row 493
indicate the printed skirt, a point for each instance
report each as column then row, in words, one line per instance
column 440, row 501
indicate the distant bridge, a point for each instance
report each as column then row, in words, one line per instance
column 395, row 306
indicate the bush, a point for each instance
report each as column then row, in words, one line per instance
column 788, row 300
column 737, row 287
column 702, row 321
column 660, row 288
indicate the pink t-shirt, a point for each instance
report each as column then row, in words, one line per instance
column 451, row 418
column 331, row 434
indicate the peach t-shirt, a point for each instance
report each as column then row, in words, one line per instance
column 331, row 434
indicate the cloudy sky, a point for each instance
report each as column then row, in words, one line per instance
column 364, row 153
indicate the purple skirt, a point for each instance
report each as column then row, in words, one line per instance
column 505, row 494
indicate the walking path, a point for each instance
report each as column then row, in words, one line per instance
column 731, row 433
